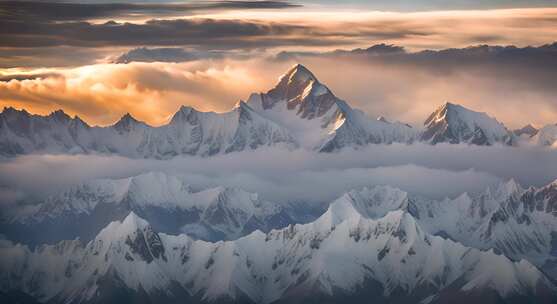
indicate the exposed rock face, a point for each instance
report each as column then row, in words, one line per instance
column 526, row 131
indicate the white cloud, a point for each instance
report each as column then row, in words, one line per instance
column 303, row 176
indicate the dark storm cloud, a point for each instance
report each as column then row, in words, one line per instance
column 64, row 11
column 53, row 24
column 531, row 55
column 530, row 62
column 205, row 32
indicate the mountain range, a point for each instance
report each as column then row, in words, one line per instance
column 169, row 204
column 376, row 243
column 299, row 112
column 347, row 254
column 154, row 238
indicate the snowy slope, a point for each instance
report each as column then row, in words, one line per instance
column 453, row 123
column 522, row 224
column 546, row 136
column 165, row 200
column 340, row 256
column 298, row 112
column 208, row 133
column 320, row 120
column 190, row 132
column 22, row 133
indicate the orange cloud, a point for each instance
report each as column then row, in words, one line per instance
column 101, row 93
column 150, row 91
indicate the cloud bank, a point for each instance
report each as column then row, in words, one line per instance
column 302, row 176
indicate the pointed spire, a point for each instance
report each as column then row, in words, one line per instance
column 133, row 222
column 127, row 118
column 513, row 186
column 299, row 73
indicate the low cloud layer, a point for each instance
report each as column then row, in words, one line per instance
column 302, row 176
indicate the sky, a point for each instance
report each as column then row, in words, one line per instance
column 99, row 60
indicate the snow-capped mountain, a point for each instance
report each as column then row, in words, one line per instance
column 452, row 123
column 341, row 257
column 521, row 224
column 320, row 120
column 190, row 132
column 166, row 201
column 546, row 136
column 299, row 112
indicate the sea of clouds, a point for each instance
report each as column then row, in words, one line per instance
column 298, row 176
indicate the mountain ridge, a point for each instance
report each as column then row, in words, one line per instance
column 517, row 222
column 287, row 263
column 299, row 112
column 166, row 200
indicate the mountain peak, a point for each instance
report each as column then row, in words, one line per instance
column 127, row 116
column 13, row 111
column 504, row 189
column 183, row 114
column 297, row 79
column 126, row 122
column 133, row 222
column 299, row 73
column 513, row 186
column 449, row 106
column 122, row 229
column 137, row 234
column 60, row 115
column 454, row 123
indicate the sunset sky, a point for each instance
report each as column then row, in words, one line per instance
column 100, row 60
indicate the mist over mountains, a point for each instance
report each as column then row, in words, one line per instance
column 278, row 152
column 292, row 196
